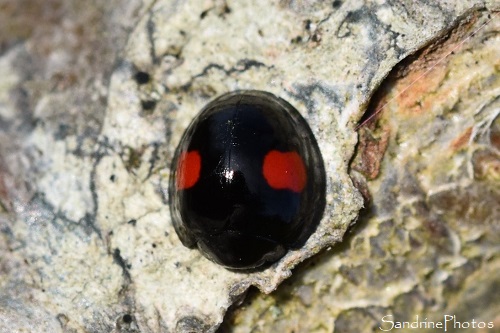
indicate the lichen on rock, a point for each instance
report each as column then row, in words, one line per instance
column 90, row 115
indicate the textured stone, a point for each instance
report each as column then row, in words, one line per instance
column 94, row 98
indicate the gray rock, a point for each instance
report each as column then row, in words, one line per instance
column 94, row 99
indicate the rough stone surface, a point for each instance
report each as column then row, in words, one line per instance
column 427, row 243
column 94, row 97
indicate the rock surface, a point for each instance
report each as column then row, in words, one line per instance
column 94, row 99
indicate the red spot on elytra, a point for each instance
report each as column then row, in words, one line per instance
column 284, row 171
column 188, row 169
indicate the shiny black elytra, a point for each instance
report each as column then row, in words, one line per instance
column 248, row 180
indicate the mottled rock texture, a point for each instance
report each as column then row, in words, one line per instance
column 94, row 97
column 427, row 243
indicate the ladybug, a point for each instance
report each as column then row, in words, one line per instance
column 247, row 181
